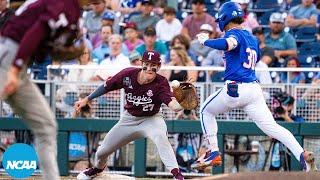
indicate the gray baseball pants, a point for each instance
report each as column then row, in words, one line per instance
column 130, row 128
column 32, row 107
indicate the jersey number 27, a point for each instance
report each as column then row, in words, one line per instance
column 252, row 57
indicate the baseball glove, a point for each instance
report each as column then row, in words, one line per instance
column 186, row 95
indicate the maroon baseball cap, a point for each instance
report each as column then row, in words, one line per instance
column 132, row 25
column 151, row 57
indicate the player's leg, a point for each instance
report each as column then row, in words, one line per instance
column 120, row 135
column 30, row 104
column 258, row 110
column 215, row 104
column 159, row 136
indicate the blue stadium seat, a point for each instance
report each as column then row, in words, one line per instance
column 292, row 3
column 217, row 77
column 309, row 48
column 307, row 60
column 305, row 34
column 265, row 6
column 264, row 18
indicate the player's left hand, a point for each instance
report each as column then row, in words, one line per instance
column 12, row 82
column 202, row 37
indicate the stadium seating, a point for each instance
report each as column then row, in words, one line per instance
column 265, row 6
column 305, row 34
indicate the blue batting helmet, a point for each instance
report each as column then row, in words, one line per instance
column 227, row 12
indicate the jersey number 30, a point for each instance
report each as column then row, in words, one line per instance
column 252, row 57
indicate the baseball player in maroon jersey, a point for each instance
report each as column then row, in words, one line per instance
column 29, row 33
column 145, row 91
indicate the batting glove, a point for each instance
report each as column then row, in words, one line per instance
column 202, row 37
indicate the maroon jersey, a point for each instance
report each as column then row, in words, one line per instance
column 141, row 100
column 38, row 24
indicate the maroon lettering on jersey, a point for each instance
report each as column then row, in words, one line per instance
column 38, row 23
column 141, row 100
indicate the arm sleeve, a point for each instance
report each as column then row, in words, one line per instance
column 165, row 92
column 220, row 43
column 29, row 43
column 97, row 92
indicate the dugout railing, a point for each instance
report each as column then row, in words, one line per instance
column 299, row 130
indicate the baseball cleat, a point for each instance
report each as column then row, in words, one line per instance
column 307, row 161
column 89, row 173
column 208, row 159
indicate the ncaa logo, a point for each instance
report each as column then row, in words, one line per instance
column 20, row 160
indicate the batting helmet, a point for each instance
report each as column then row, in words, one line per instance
column 151, row 57
column 227, row 12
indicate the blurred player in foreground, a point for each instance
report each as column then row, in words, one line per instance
column 241, row 89
column 145, row 91
column 33, row 31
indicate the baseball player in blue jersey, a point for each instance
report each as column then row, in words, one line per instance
column 241, row 89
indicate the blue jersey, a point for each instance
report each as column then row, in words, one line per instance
column 241, row 61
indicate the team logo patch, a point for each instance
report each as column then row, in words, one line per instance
column 20, row 160
column 234, row 13
column 149, row 93
column 127, row 82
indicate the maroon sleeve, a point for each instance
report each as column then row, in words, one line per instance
column 115, row 82
column 165, row 92
column 29, row 43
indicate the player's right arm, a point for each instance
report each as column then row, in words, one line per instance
column 113, row 83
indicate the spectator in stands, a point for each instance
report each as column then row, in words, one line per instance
column 102, row 51
column 169, row 26
column 150, row 42
column 267, row 52
column 191, row 24
column 108, row 18
column 183, row 41
column 125, row 7
column 179, row 57
column 304, row 14
column 82, row 75
column 5, row 12
column 92, row 19
column 283, row 107
column 250, row 19
column 267, row 57
column 131, row 35
column 199, row 50
column 135, row 58
column 115, row 62
column 147, row 18
column 283, row 42
column 295, row 77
